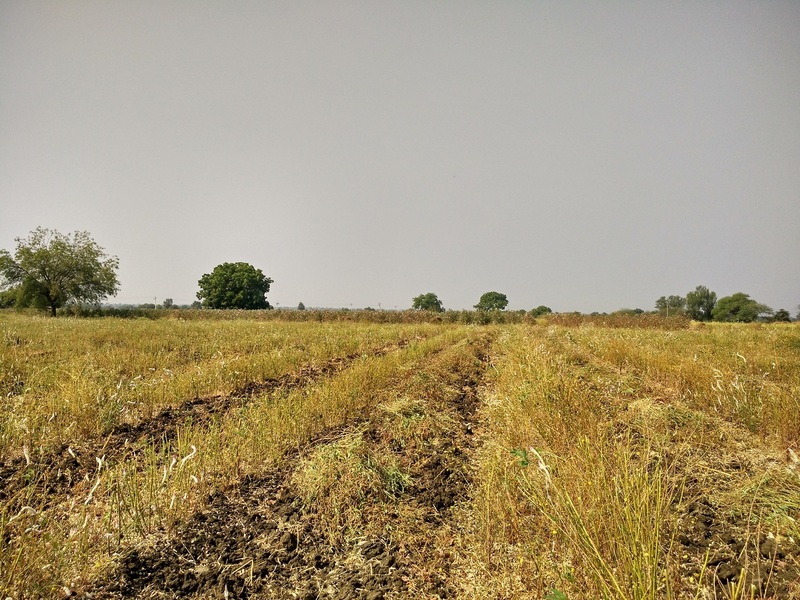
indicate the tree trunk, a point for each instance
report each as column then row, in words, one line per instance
column 52, row 309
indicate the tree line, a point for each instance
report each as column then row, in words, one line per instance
column 701, row 304
column 49, row 270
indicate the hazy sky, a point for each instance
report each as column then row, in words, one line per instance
column 583, row 155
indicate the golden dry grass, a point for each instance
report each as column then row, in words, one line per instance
column 619, row 462
column 619, row 459
column 75, row 372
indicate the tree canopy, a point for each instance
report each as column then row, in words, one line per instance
column 429, row 301
column 782, row 316
column 671, row 305
column 540, row 310
column 49, row 269
column 700, row 303
column 234, row 285
column 492, row 301
column 739, row 307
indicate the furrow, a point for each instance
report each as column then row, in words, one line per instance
column 362, row 511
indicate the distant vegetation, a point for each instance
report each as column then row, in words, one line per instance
column 739, row 308
column 234, row 285
column 49, row 269
column 429, row 301
column 702, row 305
column 540, row 311
column 53, row 271
column 492, row 301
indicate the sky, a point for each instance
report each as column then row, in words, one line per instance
column 587, row 156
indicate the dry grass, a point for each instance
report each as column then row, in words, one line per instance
column 637, row 463
column 635, row 460
column 67, row 379
column 64, row 540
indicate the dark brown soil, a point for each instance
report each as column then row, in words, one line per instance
column 259, row 540
column 769, row 564
column 44, row 478
column 250, row 541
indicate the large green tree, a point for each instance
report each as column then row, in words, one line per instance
column 700, row 303
column 429, row 301
column 49, row 269
column 234, row 285
column 492, row 301
column 739, row 307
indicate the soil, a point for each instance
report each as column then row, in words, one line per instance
column 50, row 475
column 728, row 492
column 250, row 541
column 768, row 564
column 260, row 540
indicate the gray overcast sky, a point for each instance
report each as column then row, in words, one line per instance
column 583, row 155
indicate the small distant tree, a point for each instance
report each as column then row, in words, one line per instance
column 168, row 303
column 492, row 301
column 540, row 311
column 782, row 316
column 301, row 306
column 629, row 312
column 234, row 285
column 739, row 307
column 196, row 304
column 671, row 305
column 700, row 303
column 429, row 301
column 49, row 269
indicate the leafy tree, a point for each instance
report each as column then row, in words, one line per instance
column 301, row 306
column 739, row 307
column 782, row 316
column 671, row 305
column 168, row 303
column 8, row 298
column 700, row 303
column 50, row 269
column 492, row 301
column 429, row 301
column 540, row 310
column 234, row 285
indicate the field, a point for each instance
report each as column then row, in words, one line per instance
column 555, row 459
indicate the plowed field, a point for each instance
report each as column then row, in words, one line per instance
column 315, row 460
